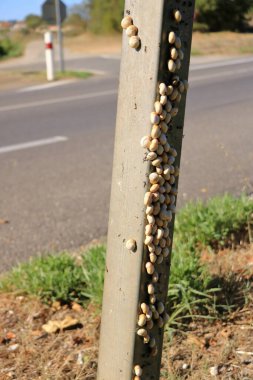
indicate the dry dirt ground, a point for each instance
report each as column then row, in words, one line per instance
column 221, row 349
column 13, row 79
column 219, row 44
column 222, row 43
column 93, row 44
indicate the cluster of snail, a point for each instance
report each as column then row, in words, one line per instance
column 160, row 199
column 131, row 32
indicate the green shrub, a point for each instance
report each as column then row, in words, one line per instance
column 102, row 19
column 33, row 21
column 9, row 48
column 200, row 27
column 75, row 25
column 223, row 14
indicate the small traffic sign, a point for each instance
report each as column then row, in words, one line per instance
column 49, row 11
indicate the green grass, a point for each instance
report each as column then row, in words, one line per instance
column 193, row 293
column 73, row 74
column 41, row 75
column 214, row 224
column 60, row 277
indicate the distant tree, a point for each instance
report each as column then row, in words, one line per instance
column 76, row 22
column 82, row 9
column 223, row 14
column 33, row 21
column 105, row 15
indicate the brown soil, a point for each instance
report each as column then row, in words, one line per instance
column 223, row 346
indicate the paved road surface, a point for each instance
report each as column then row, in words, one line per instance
column 55, row 192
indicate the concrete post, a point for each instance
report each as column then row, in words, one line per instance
column 60, row 35
column 133, row 316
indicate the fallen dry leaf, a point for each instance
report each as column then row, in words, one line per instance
column 3, row 221
column 52, row 327
column 196, row 341
column 10, row 335
column 76, row 307
column 56, row 305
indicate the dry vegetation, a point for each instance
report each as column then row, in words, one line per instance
column 94, row 44
column 222, row 43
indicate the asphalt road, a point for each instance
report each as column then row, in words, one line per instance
column 55, row 191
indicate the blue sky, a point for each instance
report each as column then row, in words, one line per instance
column 18, row 9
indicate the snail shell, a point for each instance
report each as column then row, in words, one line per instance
column 134, row 42
column 148, row 198
column 126, row 22
column 144, row 308
column 142, row 332
column 150, row 268
column 138, row 370
column 158, row 107
column 156, row 131
column 172, row 37
column 177, row 15
column 142, row 320
column 178, row 43
column 162, row 89
column 145, row 141
column 174, row 53
column 172, row 66
column 131, row 245
column 132, row 30
column 154, row 145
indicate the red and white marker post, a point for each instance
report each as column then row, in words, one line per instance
column 49, row 53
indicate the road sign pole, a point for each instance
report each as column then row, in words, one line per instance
column 151, row 108
column 60, row 35
column 49, row 53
